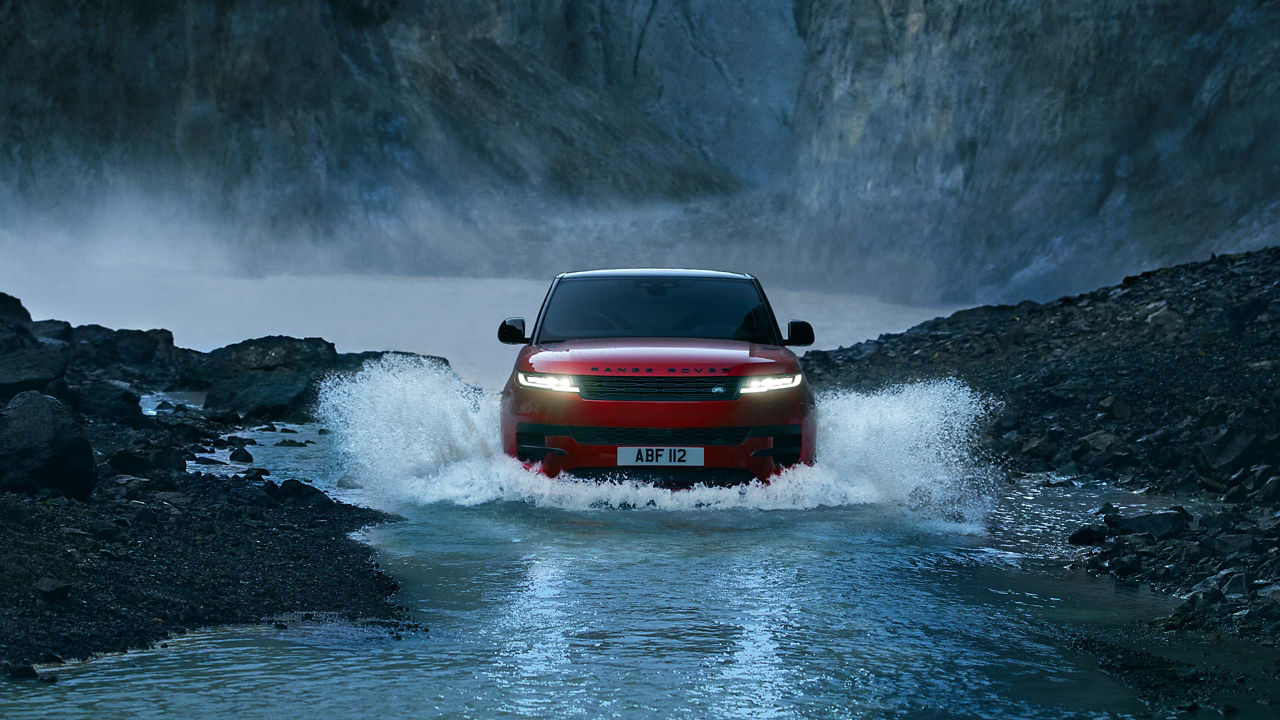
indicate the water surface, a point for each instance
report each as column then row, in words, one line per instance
column 900, row 577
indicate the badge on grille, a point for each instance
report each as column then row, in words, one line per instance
column 718, row 389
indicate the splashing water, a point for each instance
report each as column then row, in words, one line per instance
column 416, row 433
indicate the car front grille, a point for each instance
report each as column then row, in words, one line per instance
column 659, row 436
column 661, row 389
column 535, row 435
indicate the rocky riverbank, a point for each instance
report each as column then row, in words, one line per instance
column 107, row 542
column 1166, row 384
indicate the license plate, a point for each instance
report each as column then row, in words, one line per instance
column 691, row 457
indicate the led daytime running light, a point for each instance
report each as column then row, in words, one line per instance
column 560, row 383
column 765, row 383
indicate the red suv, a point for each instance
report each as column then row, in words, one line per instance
column 677, row 377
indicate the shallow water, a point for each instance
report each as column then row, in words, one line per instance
column 900, row 577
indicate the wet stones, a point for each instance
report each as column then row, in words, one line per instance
column 1159, row 525
column 241, row 455
column 44, row 446
column 294, row 491
column 1165, row 384
column 1089, row 535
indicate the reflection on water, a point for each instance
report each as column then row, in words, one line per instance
column 832, row 593
column 855, row 611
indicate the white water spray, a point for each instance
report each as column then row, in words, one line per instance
column 414, row 432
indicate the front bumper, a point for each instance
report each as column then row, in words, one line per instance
column 752, row 437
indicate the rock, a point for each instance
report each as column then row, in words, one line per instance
column 173, row 498
column 43, row 445
column 290, row 443
column 23, row 672
column 300, row 493
column 15, row 337
column 348, row 482
column 1236, row 584
column 1166, row 320
column 52, row 589
column 1230, row 446
column 106, row 400
column 1040, row 447
column 1089, row 535
column 1204, row 599
column 1116, row 407
column 1125, row 565
column 288, row 431
column 1269, row 493
column 51, row 330
column 275, row 352
column 241, row 455
column 97, row 347
column 128, row 462
column 1101, row 441
column 262, row 395
column 1230, row 543
column 201, row 460
column 1270, row 592
column 12, row 311
column 1159, row 525
column 132, row 462
column 30, row 368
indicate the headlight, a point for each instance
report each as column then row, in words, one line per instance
column 562, row 383
column 765, row 383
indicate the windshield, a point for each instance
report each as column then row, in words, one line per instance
column 681, row 307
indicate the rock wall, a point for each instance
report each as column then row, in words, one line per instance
column 943, row 150
column 1020, row 148
column 297, row 117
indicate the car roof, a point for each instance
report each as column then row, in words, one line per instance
column 656, row 272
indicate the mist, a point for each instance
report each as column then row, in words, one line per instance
column 923, row 157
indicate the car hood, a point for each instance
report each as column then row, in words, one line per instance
column 658, row 357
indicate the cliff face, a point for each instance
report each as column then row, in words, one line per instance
column 298, row 112
column 965, row 145
column 950, row 148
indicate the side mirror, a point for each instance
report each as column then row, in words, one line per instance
column 799, row 332
column 511, row 332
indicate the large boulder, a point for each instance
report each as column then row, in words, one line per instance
column 276, row 352
column 262, row 395
column 1162, row 524
column 59, row 330
column 12, row 311
column 14, row 336
column 30, row 368
column 106, row 400
column 43, row 445
column 95, row 346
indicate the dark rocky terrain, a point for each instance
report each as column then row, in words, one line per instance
column 108, row 543
column 1167, row 384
